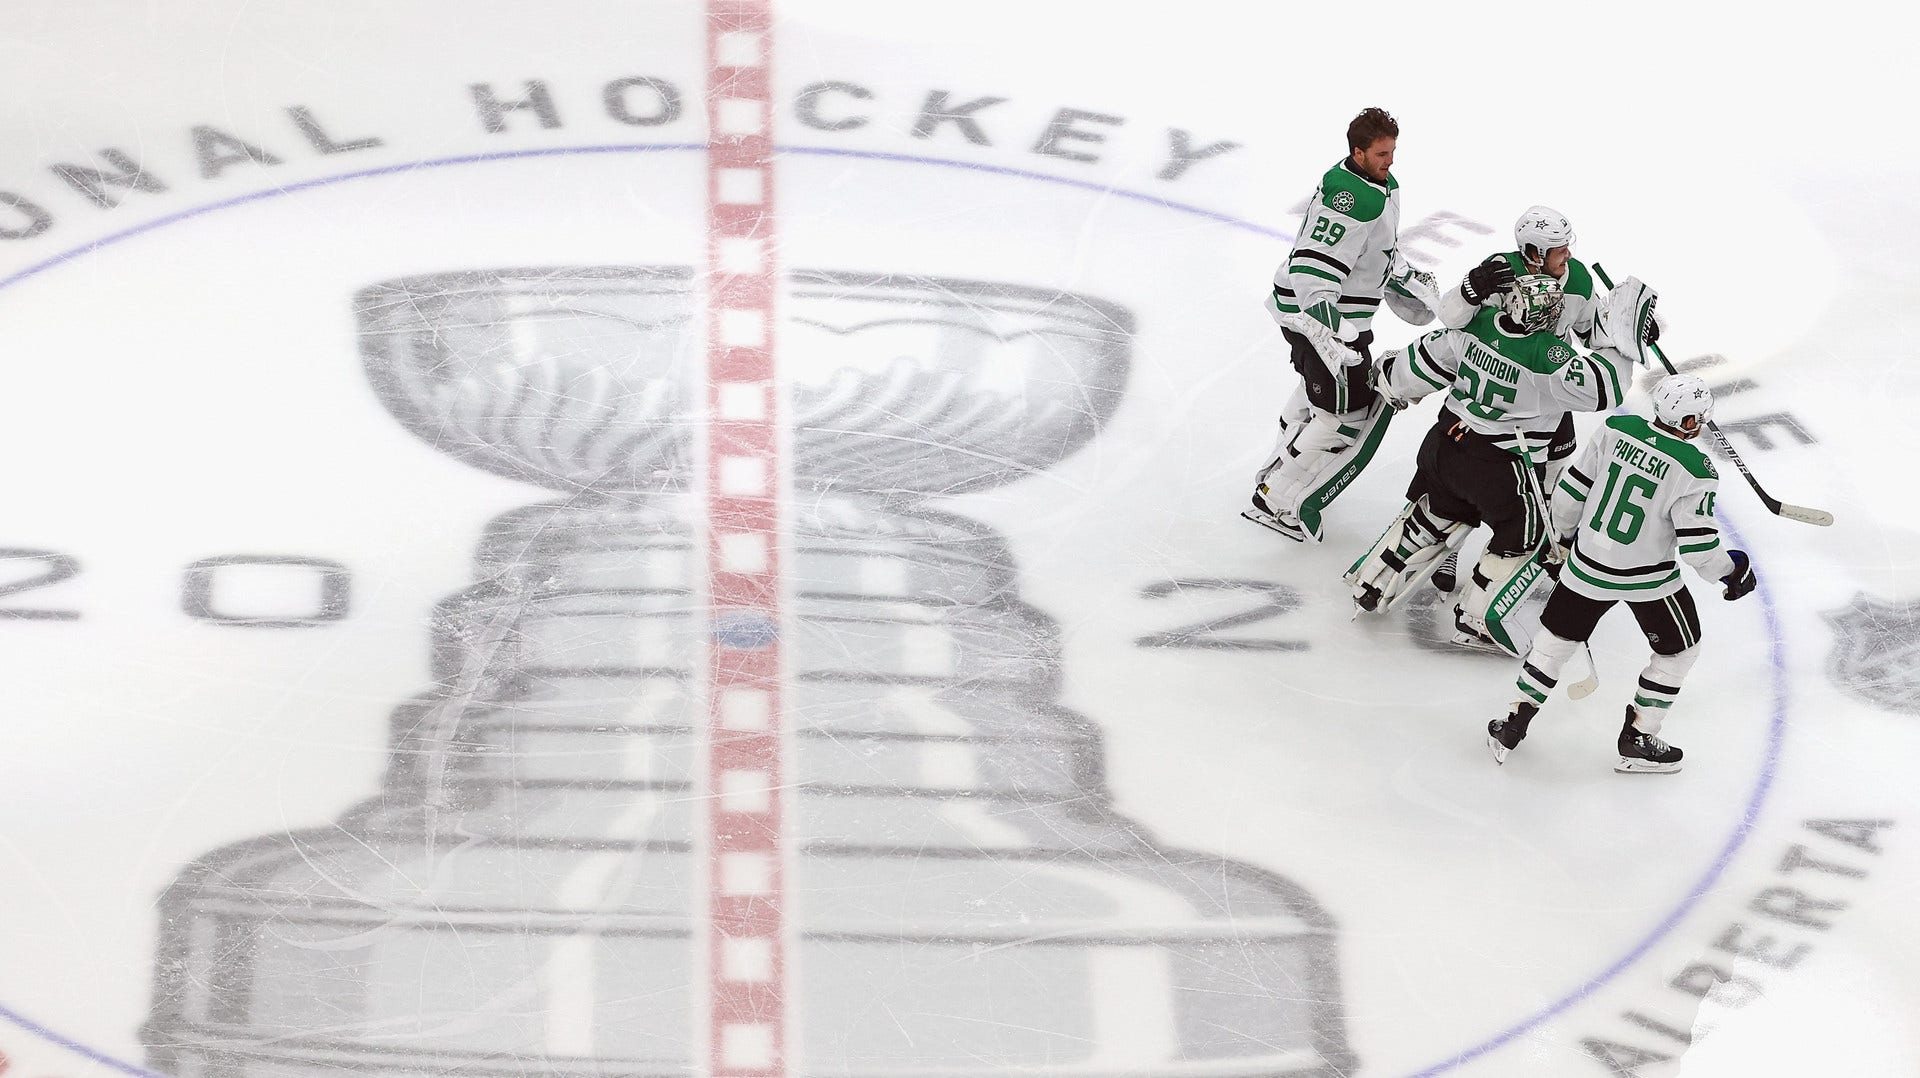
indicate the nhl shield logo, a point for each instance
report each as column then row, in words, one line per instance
column 1876, row 651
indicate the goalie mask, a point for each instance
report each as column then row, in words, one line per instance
column 1539, row 230
column 1534, row 302
column 1680, row 398
column 1623, row 321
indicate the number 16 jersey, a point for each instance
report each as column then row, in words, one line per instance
column 1635, row 497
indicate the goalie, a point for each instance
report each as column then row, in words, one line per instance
column 1343, row 264
column 1543, row 242
column 1509, row 382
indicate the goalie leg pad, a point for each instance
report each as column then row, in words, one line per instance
column 1293, row 416
column 1500, row 583
column 1660, row 686
column 1404, row 555
column 1320, row 460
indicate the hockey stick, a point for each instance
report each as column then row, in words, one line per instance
column 1583, row 688
column 1801, row 513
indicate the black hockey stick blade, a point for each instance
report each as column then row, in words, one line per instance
column 1805, row 515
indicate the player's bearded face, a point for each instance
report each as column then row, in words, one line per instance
column 1376, row 159
column 1556, row 261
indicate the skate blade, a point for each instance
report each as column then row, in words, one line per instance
column 1500, row 752
column 1274, row 524
column 1481, row 644
column 1635, row 765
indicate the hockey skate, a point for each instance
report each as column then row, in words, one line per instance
column 1640, row 751
column 1447, row 577
column 1470, row 633
column 1504, row 735
column 1367, row 598
column 1262, row 514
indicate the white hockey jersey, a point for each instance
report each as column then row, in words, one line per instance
column 1654, row 497
column 1343, row 253
column 1513, row 388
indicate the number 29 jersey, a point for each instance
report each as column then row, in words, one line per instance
column 1635, row 498
column 1343, row 252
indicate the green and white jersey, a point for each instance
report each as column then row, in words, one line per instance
column 1634, row 498
column 1342, row 254
column 1513, row 388
column 1576, row 315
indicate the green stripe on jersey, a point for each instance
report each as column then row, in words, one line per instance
column 1419, row 364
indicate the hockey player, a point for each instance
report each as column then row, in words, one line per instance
column 1509, row 380
column 1640, row 491
column 1543, row 243
column 1344, row 261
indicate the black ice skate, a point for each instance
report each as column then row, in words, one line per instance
column 1640, row 751
column 1504, row 735
column 1447, row 577
column 1262, row 514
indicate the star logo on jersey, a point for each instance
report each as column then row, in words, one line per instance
column 1559, row 354
column 1342, row 201
column 1876, row 651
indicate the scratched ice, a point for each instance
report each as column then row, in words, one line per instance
column 522, row 894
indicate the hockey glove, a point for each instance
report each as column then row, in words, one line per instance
column 1380, row 377
column 1741, row 580
column 1486, row 280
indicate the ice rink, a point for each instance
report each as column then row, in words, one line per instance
column 567, row 538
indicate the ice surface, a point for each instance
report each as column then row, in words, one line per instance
column 357, row 603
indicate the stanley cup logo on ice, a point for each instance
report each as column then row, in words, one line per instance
column 522, row 895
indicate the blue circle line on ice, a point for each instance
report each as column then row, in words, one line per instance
column 1776, row 649
column 1750, row 815
column 664, row 147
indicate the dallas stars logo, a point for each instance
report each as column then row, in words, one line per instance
column 1342, row 201
column 1876, row 651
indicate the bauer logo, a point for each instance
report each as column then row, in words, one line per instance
column 1876, row 651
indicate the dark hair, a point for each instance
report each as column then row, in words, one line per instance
column 1369, row 127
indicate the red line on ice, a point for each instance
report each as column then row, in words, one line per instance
column 746, row 840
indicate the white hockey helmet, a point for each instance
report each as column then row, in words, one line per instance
column 1539, row 230
column 1679, row 398
column 1534, row 302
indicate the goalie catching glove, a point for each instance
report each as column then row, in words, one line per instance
column 1411, row 293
